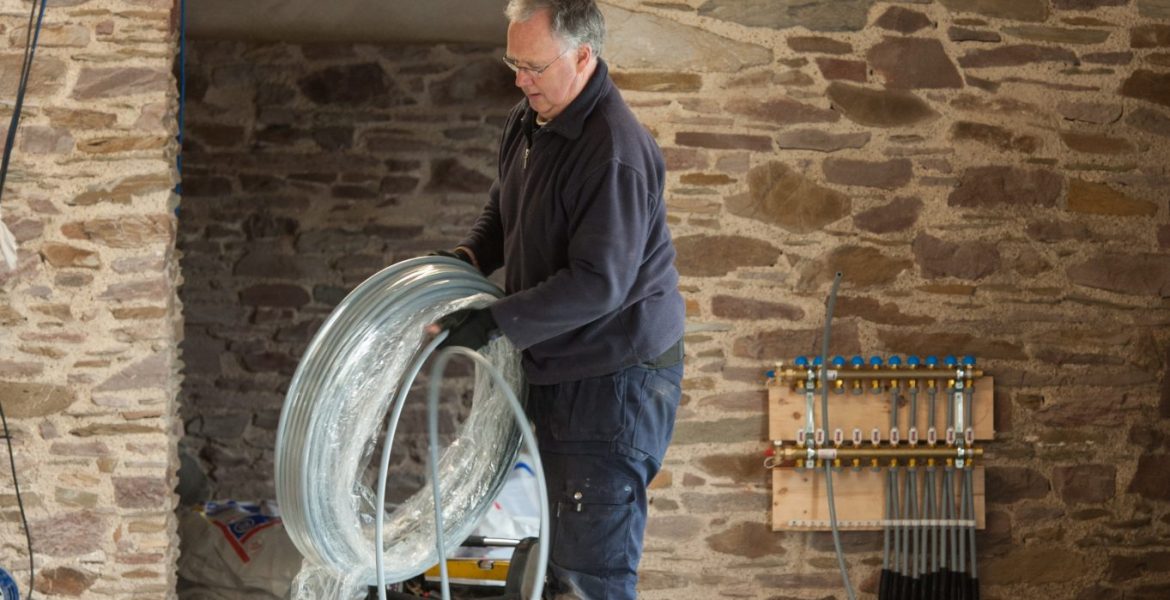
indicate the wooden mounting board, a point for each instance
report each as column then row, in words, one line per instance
column 799, row 497
column 786, row 409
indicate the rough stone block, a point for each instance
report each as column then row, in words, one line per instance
column 732, row 307
column 823, row 141
column 44, row 81
column 1036, row 564
column 965, row 34
column 158, row 289
column 1095, row 143
column 1150, row 35
column 1154, row 9
column 748, row 539
column 64, row 581
column 994, row 185
column 352, row 85
column 784, row 344
column 689, row 431
column 675, row 529
column 898, row 215
column 45, row 140
column 1020, row 10
column 24, row 400
column 708, row 256
column 815, row 15
column 880, row 108
column 124, row 232
column 661, row 81
column 874, row 311
column 151, row 372
column 1151, row 480
column 1148, row 85
column 997, row 137
column 1014, row 56
column 819, row 45
column 783, row 111
column 914, row 63
column 723, row 141
column 142, row 492
column 1101, row 199
column 779, row 195
column 1082, row 484
column 450, row 175
column 20, row 369
column 903, row 20
column 1138, row 274
column 862, row 266
column 1008, row 485
column 925, row 342
column 887, row 175
column 274, row 295
column 1058, row 35
column 842, row 69
column 112, row 82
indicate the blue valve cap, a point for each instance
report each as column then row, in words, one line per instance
column 950, row 360
column 895, row 361
column 801, row 361
column 857, row 361
column 932, row 361
column 875, row 361
column 770, row 374
column 838, row 361
column 817, row 361
column 913, row 360
column 969, row 361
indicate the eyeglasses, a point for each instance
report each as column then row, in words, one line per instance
column 535, row 72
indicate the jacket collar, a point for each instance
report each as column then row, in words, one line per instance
column 571, row 122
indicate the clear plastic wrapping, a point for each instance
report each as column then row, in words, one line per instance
column 353, row 374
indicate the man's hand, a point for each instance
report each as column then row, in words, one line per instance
column 471, row 327
column 457, row 253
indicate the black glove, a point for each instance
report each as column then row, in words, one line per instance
column 456, row 253
column 471, row 327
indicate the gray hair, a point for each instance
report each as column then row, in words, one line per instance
column 575, row 22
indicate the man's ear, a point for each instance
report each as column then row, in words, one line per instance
column 584, row 53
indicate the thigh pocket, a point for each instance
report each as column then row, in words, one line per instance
column 589, row 410
column 593, row 525
column 658, row 399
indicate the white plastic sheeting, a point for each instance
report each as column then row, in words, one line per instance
column 353, row 378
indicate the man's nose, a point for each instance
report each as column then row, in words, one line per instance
column 523, row 78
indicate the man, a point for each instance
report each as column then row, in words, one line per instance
column 577, row 216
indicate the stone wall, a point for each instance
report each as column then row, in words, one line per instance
column 89, row 320
column 986, row 173
column 308, row 169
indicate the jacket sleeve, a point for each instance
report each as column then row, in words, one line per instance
column 609, row 220
column 486, row 238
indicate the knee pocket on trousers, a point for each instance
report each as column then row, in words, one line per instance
column 593, row 525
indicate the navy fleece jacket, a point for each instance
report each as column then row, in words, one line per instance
column 577, row 216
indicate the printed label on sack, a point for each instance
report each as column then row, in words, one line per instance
column 239, row 522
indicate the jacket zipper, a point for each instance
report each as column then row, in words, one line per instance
column 526, row 151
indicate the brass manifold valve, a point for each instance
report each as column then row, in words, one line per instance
column 877, row 375
column 872, row 457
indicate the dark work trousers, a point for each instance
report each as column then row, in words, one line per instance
column 602, row 440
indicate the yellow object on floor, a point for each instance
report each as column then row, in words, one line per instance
column 473, row 571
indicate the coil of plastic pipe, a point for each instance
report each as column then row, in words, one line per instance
column 349, row 387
